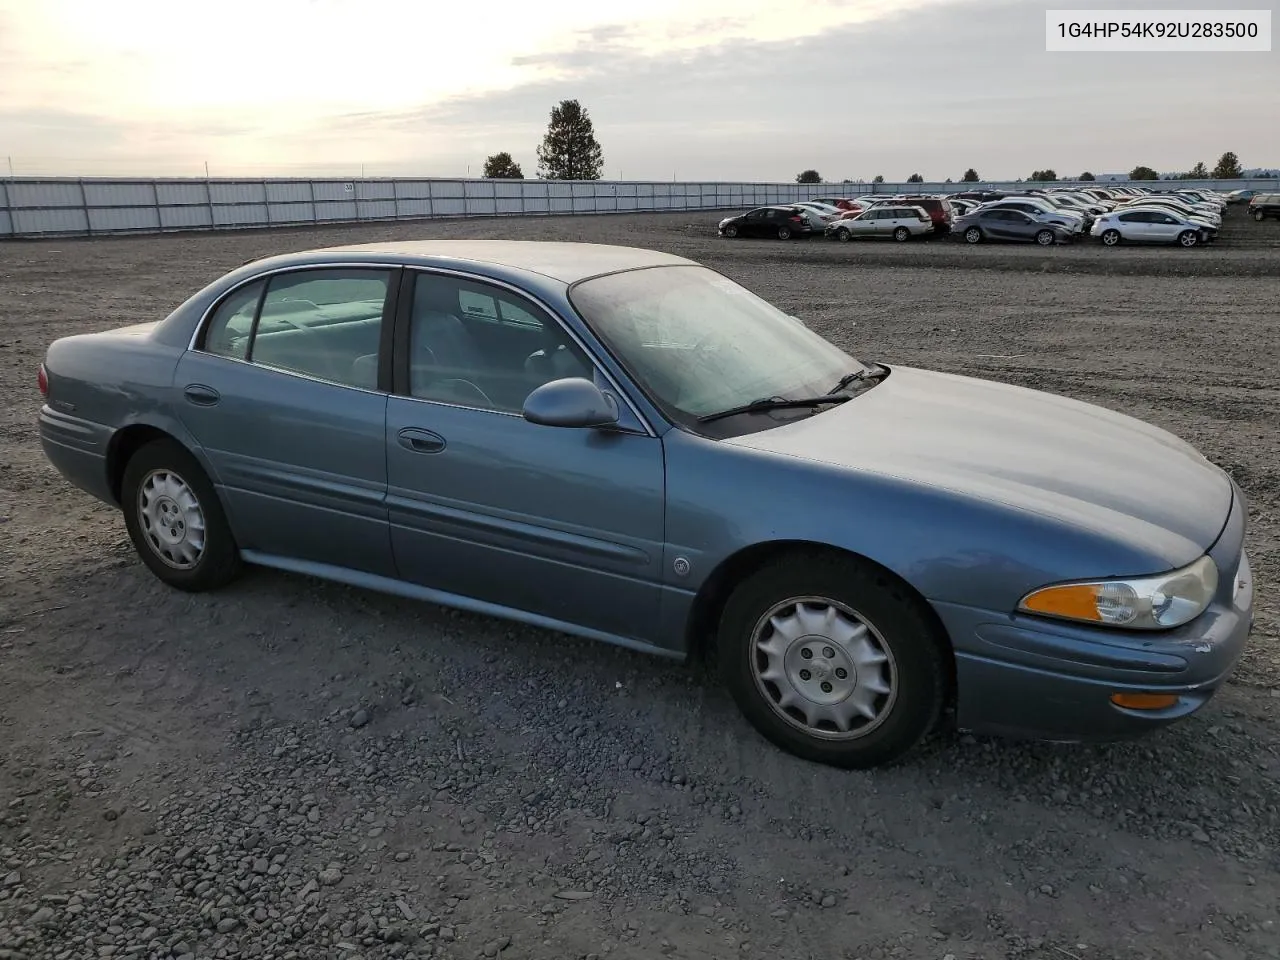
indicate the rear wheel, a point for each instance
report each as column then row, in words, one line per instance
column 784, row 233
column 1111, row 237
column 901, row 233
column 1188, row 238
column 1044, row 237
column 973, row 235
column 833, row 660
column 175, row 519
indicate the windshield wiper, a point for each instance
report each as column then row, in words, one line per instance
column 774, row 403
column 874, row 372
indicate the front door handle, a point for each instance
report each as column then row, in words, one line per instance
column 201, row 395
column 420, row 441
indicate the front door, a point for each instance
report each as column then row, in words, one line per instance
column 566, row 524
column 1162, row 226
column 282, row 395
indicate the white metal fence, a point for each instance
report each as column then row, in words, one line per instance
column 56, row 206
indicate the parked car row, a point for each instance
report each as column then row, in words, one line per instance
column 1111, row 215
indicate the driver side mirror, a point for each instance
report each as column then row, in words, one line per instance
column 571, row 402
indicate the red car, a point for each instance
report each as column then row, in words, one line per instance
column 842, row 203
column 939, row 210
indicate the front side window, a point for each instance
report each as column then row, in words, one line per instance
column 697, row 343
column 325, row 324
column 474, row 344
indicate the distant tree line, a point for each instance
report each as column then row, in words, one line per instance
column 570, row 151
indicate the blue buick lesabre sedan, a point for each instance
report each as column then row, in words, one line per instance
column 626, row 445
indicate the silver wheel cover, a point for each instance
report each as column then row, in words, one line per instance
column 823, row 668
column 171, row 519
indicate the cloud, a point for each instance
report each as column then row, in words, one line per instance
column 703, row 89
column 971, row 86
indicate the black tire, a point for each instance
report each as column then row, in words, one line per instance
column 1110, row 238
column 1044, row 238
column 218, row 561
column 1259, row 216
column 1189, row 238
column 731, row 231
column 898, row 621
column 973, row 235
column 901, row 234
column 843, row 235
column 784, row 233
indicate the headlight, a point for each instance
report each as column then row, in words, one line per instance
column 1146, row 603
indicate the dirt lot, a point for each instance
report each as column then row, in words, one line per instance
column 289, row 769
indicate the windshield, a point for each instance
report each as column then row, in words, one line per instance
column 698, row 343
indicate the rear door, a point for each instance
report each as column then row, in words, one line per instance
column 996, row 225
column 565, row 524
column 1136, row 226
column 283, row 394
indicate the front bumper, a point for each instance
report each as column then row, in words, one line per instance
column 1026, row 677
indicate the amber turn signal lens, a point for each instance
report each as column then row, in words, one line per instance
column 1144, row 701
column 1077, row 601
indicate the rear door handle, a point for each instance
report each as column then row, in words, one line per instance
column 201, row 395
column 420, row 441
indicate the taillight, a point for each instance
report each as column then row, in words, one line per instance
column 42, row 381
column 797, row 219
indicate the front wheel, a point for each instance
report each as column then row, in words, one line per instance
column 833, row 660
column 731, row 231
column 1188, row 238
column 843, row 235
column 901, row 234
column 784, row 233
column 175, row 519
column 973, row 235
column 1259, row 216
column 1111, row 237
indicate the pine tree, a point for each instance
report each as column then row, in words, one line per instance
column 570, row 151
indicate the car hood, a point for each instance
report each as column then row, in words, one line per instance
column 1078, row 463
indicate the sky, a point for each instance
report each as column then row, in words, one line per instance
column 677, row 89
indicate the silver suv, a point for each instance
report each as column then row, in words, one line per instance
column 899, row 222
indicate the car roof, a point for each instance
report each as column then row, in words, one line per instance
column 566, row 261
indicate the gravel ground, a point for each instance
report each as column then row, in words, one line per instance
column 290, row 769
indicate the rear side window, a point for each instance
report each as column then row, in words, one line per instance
column 227, row 334
column 324, row 324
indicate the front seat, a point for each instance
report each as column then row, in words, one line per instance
column 441, row 346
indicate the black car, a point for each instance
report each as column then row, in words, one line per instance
column 782, row 221
column 1264, row 205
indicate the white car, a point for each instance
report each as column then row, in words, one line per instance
column 1150, row 225
column 1177, row 207
column 818, row 214
column 1082, row 203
